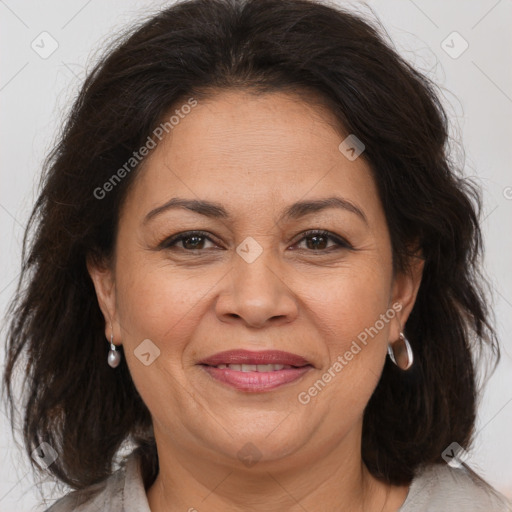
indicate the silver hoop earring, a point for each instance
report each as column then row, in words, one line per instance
column 114, row 357
column 400, row 352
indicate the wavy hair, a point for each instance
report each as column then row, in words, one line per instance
column 84, row 410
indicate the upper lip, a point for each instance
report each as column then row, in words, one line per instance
column 250, row 357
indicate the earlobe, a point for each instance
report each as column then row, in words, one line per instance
column 405, row 290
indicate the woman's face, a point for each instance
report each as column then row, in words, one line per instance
column 254, row 280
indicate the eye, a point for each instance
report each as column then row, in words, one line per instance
column 190, row 240
column 317, row 240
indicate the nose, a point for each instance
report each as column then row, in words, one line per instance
column 256, row 293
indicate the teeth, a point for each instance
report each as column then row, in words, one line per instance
column 255, row 367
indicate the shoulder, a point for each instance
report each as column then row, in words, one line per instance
column 124, row 486
column 441, row 487
column 106, row 495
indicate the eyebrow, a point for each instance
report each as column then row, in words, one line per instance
column 295, row 211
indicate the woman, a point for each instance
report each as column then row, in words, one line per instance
column 252, row 202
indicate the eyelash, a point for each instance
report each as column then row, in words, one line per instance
column 170, row 242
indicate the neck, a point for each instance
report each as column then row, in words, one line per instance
column 333, row 480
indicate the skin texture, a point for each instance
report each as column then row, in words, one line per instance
column 255, row 155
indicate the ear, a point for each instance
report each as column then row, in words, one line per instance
column 405, row 289
column 102, row 276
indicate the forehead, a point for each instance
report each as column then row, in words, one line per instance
column 249, row 149
column 265, row 126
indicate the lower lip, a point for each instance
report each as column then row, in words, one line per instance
column 256, row 381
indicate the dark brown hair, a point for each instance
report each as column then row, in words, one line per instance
column 73, row 400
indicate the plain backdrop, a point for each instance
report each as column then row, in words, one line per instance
column 47, row 47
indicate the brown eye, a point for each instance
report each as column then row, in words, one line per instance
column 190, row 241
column 318, row 241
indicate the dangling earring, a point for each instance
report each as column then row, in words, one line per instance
column 114, row 357
column 400, row 352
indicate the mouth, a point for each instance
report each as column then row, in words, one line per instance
column 255, row 371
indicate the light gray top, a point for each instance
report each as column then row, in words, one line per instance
column 437, row 488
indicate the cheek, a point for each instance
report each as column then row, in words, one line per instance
column 163, row 302
column 349, row 301
column 155, row 302
column 159, row 304
column 348, row 311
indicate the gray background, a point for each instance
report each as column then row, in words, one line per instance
column 476, row 89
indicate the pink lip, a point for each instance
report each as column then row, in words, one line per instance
column 256, row 381
column 249, row 357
